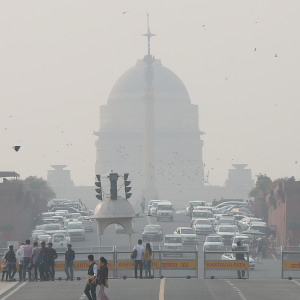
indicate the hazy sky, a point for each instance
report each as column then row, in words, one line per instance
column 60, row 59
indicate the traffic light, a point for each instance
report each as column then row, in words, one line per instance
column 127, row 187
column 113, row 177
column 99, row 189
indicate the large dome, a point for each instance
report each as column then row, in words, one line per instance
column 129, row 88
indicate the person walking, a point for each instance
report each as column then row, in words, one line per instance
column 90, row 288
column 259, row 252
column 4, row 263
column 143, row 205
column 138, row 261
column 27, row 252
column 20, row 257
column 44, row 275
column 69, row 258
column 102, row 278
column 147, row 259
column 239, row 256
column 191, row 209
column 52, row 255
column 11, row 258
column 34, row 260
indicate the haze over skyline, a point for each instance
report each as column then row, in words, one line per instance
column 60, row 60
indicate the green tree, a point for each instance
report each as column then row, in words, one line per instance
column 262, row 184
column 38, row 185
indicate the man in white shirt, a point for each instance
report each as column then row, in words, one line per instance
column 139, row 259
column 20, row 258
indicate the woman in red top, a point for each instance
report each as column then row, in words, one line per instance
column 102, row 278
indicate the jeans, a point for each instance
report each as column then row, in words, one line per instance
column 138, row 263
column 50, row 269
column 90, row 287
column 35, row 271
column 20, row 271
column 43, row 271
column 12, row 266
column 26, row 262
column 67, row 266
column 259, row 256
column 147, row 267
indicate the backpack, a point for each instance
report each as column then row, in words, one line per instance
column 133, row 254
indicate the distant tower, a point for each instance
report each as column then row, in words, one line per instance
column 149, row 191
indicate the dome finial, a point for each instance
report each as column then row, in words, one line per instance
column 149, row 35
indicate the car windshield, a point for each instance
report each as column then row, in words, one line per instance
column 200, row 214
column 242, row 240
column 187, row 231
column 52, row 227
column 213, row 239
column 216, row 211
column 39, row 227
column 155, row 204
column 226, row 229
column 35, row 234
column 59, row 238
column 205, row 221
column 43, row 237
column 197, row 203
column 74, row 226
column 172, row 239
column 48, row 215
column 152, row 228
column 164, row 207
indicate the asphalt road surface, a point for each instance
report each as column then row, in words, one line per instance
column 264, row 282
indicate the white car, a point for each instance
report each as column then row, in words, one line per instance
column 51, row 228
column 194, row 204
column 44, row 238
column 188, row 235
column 65, row 233
column 87, row 224
column 231, row 256
column 172, row 243
column 121, row 229
column 59, row 241
column 153, row 209
column 202, row 226
column 36, row 233
column 150, row 205
column 217, row 213
column 76, row 231
column 227, row 233
column 213, row 242
column 202, row 214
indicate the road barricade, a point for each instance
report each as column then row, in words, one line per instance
column 290, row 262
column 223, row 264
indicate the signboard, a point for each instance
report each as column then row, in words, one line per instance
column 81, row 265
column 226, row 264
column 291, row 265
column 168, row 264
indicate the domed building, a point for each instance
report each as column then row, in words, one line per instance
column 178, row 167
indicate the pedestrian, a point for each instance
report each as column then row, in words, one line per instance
column 138, row 261
column 27, row 249
column 147, row 259
column 44, row 275
column 259, row 252
column 4, row 264
column 191, row 209
column 34, row 260
column 239, row 256
column 52, row 255
column 20, row 257
column 143, row 205
column 214, row 203
column 102, row 278
column 90, row 288
column 69, row 258
column 11, row 258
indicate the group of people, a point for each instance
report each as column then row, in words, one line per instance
column 142, row 257
column 34, row 258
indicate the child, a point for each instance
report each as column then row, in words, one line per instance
column 4, row 267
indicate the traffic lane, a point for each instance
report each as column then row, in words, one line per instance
column 267, row 289
column 131, row 289
column 195, row 289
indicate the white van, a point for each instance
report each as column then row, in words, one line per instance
column 165, row 211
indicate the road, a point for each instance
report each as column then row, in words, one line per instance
column 264, row 281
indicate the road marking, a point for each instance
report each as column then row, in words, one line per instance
column 274, row 256
column 237, row 289
column 8, row 287
column 162, row 289
column 13, row 291
column 296, row 282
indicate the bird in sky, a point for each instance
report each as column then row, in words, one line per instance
column 254, row 49
column 276, row 55
column 203, row 25
column 17, row 148
column 124, row 12
column 296, row 162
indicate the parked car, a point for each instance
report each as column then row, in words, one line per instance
column 87, row 224
column 231, row 256
column 172, row 244
column 152, row 233
column 188, row 235
column 213, row 242
column 202, row 226
column 76, row 231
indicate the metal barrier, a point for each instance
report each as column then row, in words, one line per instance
column 120, row 264
column 222, row 264
column 290, row 262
